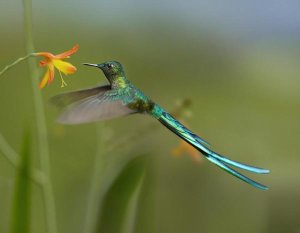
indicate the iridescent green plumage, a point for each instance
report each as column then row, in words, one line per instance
column 121, row 98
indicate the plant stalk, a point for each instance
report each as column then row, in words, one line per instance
column 48, row 196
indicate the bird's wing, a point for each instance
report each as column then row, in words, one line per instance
column 62, row 100
column 103, row 106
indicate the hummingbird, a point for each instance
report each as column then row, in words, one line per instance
column 120, row 98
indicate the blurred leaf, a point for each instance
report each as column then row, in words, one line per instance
column 146, row 221
column 120, row 203
column 130, row 215
column 20, row 221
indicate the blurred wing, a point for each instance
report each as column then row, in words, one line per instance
column 65, row 99
column 103, row 106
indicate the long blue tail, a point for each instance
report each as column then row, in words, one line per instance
column 176, row 127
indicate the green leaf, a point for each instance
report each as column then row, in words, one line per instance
column 20, row 221
column 130, row 214
column 121, row 201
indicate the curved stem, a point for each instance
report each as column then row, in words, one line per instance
column 48, row 196
column 6, row 68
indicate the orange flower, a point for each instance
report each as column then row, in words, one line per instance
column 185, row 148
column 56, row 61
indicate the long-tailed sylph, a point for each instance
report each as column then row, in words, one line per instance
column 121, row 98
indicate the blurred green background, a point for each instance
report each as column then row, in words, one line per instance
column 238, row 63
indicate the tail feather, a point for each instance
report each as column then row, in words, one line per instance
column 176, row 127
column 240, row 165
column 236, row 174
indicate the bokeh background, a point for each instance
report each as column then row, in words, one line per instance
column 237, row 62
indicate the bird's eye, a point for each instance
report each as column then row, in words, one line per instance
column 109, row 65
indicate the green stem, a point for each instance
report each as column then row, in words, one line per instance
column 94, row 199
column 11, row 155
column 6, row 68
column 48, row 196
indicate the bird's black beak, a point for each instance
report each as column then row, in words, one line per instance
column 101, row 66
column 90, row 64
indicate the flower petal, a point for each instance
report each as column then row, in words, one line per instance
column 48, row 77
column 43, row 63
column 65, row 67
column 45, row 79
column 67, row 53
column 45, row 54
column 51, row 73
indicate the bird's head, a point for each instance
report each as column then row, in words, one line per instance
column 111, row 69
